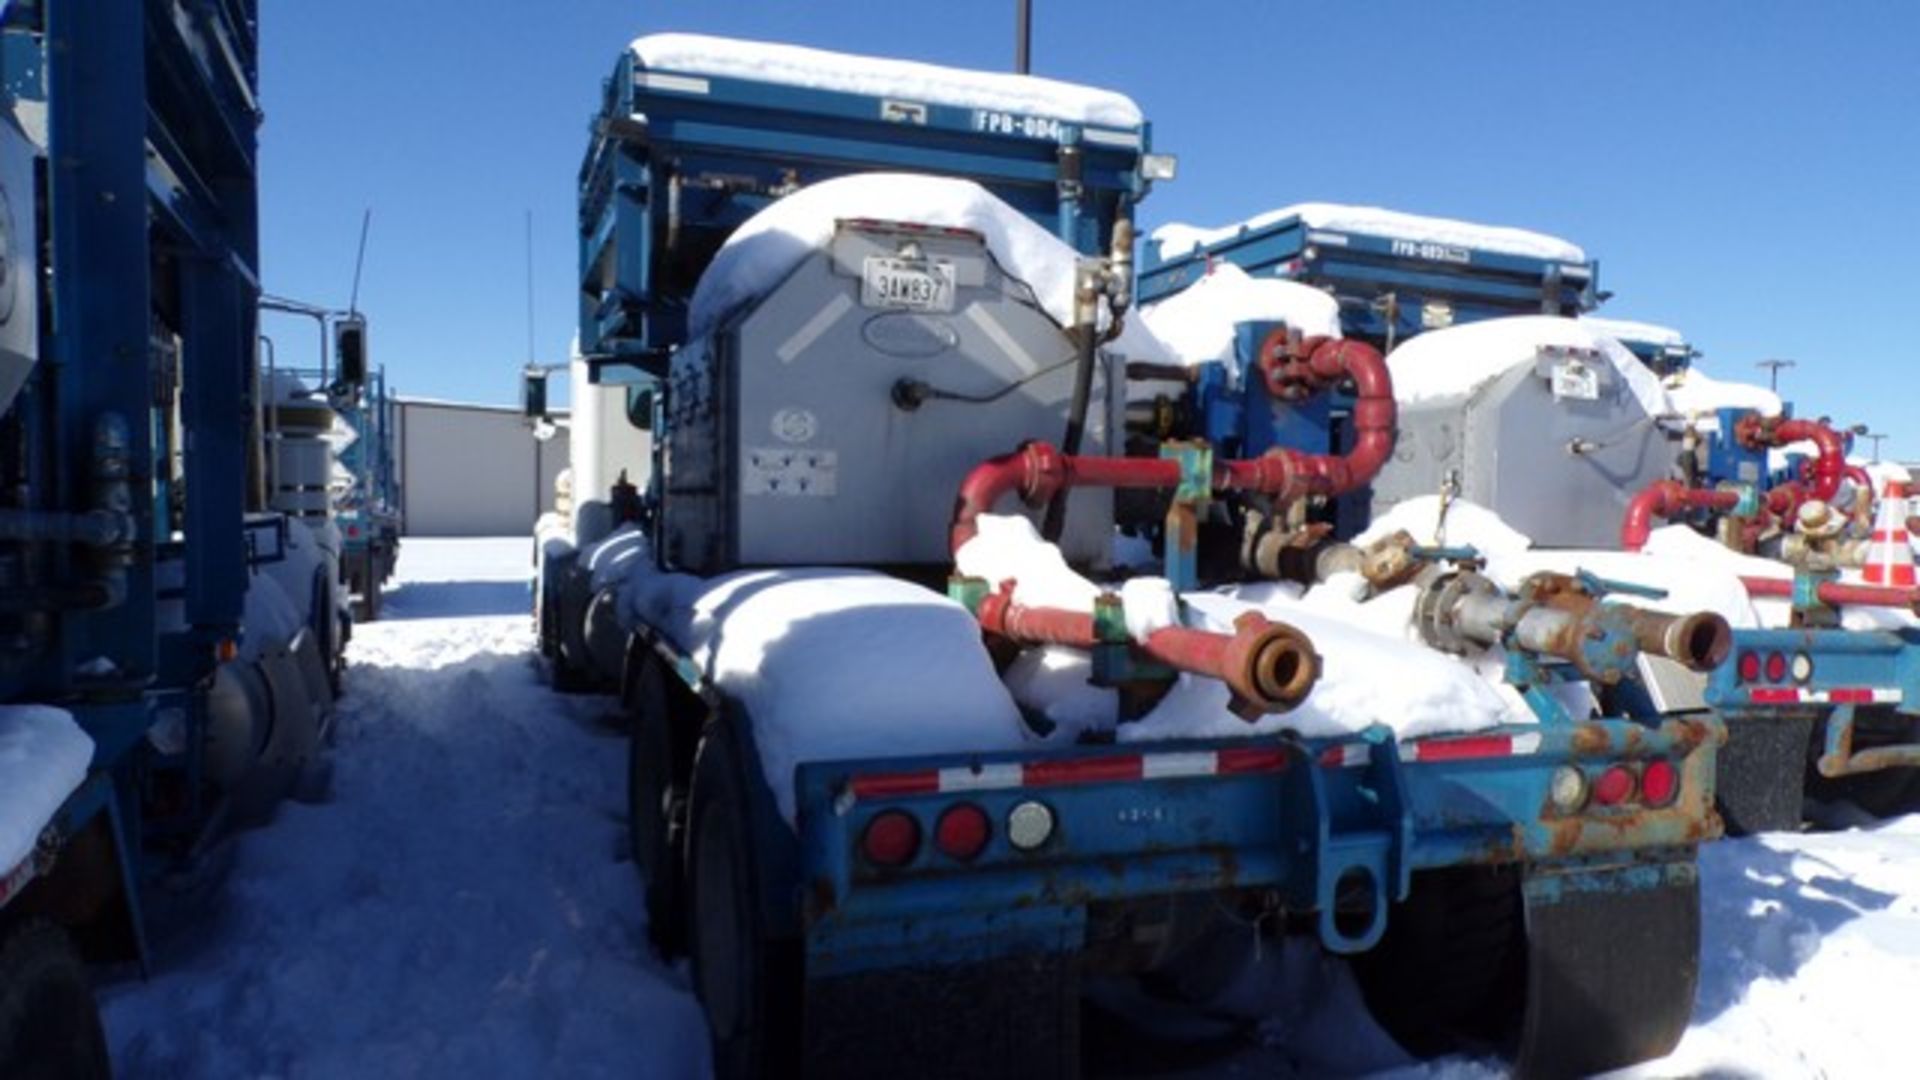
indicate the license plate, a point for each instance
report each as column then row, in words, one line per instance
column 1573, row 379
column 907, row 284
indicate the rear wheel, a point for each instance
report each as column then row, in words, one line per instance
column 1449, row 972
column 49, row 1025
column 656, row 804
column 747, row 980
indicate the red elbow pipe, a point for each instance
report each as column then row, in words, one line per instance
column 1294, row 370
column 1757, row 432
column 1037, row 472
column 1835, row 593
column 1666, row 499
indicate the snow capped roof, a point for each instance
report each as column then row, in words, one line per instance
column 1628, row 330
column 762, row 252
column 1198, row 322
column 1694, row 392
column 1178, row 239
column 1461, row 359
column 43, row 758
column 819, row 69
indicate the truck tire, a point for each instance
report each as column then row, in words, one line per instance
column 656, row 804
column 1450, row 972
column 49, row 1025
column 747, row 980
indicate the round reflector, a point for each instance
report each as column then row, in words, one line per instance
column 1029, row 825
column 1749, row 667
column 1614, row 787
column 962, row 832
column 1802, row 667
column 1659, row 783
column 891, row 839
column 1569, row 789
column 1776, row 667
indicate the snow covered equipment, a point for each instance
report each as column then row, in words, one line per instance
column 172, row 617
column 1890, row 553
column 1394, row 274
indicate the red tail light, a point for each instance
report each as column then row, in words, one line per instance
column 962, row 832
column 1659, row 783
column 1614, row 787
column 891, row 839
column 1776, row 667
column 1749, row 667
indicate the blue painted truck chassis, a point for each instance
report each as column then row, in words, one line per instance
column 1833, row 676
column 1331, row 826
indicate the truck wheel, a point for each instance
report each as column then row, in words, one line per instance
column 1449, row 972
column 656, row 808
column 748, row 981
column 49, row 1025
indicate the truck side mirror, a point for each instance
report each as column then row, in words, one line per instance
column 350, row 351
column 640, row 407
column 533, row 395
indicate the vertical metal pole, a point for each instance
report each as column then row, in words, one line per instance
column 96, row 56
column 1023, row 36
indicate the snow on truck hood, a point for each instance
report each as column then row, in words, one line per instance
column 820, row 69
column 1178, row 239
column 43, row 757
column 771, row 244
column 1460, row 359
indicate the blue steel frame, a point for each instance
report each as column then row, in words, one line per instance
column 1361, row 269
column 150, row 211
column 1300, row 830
column 1844, row 667
column 742, row 140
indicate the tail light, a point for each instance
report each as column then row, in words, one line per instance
column 891, row 840
column 1659, row 783
column 1802, row 667
column 1614, row 787
column 962, row 832
column 1776, row 667
column 1749, row 667
column 1569, row 789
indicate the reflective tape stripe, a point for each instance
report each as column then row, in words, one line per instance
column 1101, row 137
column 685, row 84
column 1006, row 775
column 1196, row 763
column 1839, row 695
column 985, row 778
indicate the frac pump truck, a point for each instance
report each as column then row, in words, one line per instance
column 170, row 638
column 903, row 742
column 1568, row 439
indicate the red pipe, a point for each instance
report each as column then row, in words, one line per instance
column 1269, row 666
column 1757, row 432
column 1836, row 593
column 1293, row 370
column 1296, row 369
column 1666, row 499
column 1863, row 480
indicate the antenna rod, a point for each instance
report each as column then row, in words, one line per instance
column 529, row 287
column 1023, row 36
column 360, row 260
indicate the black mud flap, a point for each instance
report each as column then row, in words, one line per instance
column 1613, row 957
column 1016, row 1017
column 1760, row 775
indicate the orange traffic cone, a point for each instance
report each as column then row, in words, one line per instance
column 1890, row 553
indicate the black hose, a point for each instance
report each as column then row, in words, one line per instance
column 1089, row 334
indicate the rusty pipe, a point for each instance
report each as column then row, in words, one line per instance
column 1037, row 472
column 1667, row 499
column 1837, row 594
column 1757, row 432
column 1270, row 667
column 1697, row 642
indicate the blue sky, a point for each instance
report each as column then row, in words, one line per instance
column 1743, row 171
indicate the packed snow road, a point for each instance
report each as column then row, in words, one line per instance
column 461, row 904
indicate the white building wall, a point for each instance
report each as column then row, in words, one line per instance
column 473, row 470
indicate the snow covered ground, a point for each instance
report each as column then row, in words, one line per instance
column 462, row 906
